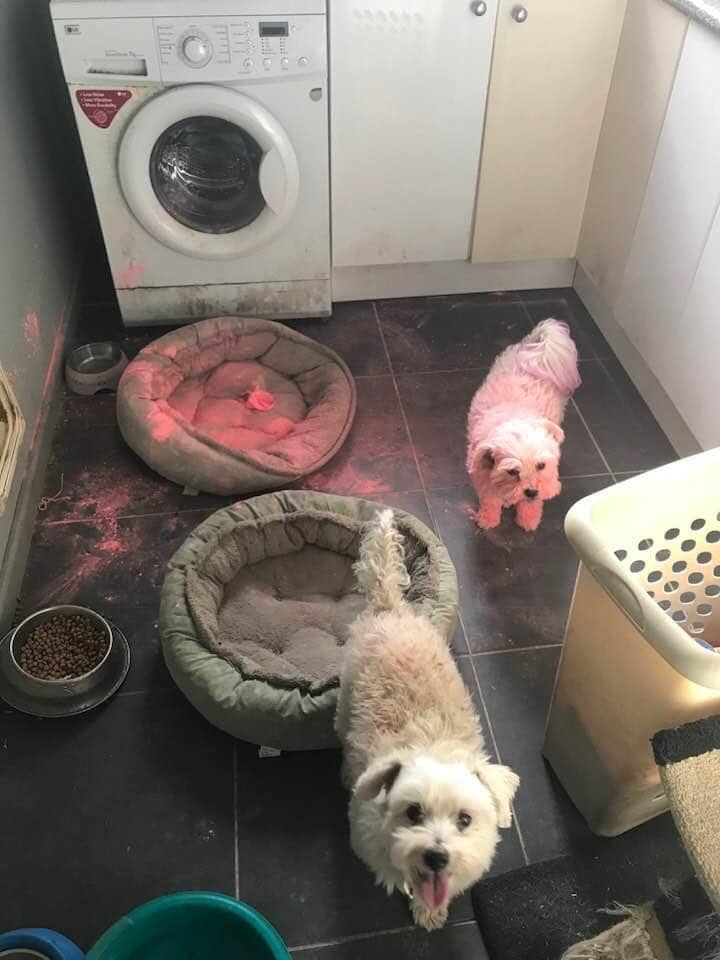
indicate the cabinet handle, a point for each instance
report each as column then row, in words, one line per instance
column 519, row 14
column 479, row 8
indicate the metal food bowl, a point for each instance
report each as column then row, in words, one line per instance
column 93, row 367
column 65, row 697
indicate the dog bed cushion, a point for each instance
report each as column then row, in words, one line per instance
column 234, row 405
column 257, row 604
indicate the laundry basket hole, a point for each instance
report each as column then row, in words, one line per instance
column 621, row 554
column 696, row 627
column 697, row 524
column 645, row 544
column 664, row 604
column 716, row 571
column 651, row 594
column 679, row 616
column 704, row 609
column 672, row 533
column 637, row 565
column 687, row 597
column 687, row 545
column 654, row 576
column 663, row 554
column 695, row 577
column 679, row 566
column 704, row 557
column 671, row 586
column 713, row 536
column 712, row 590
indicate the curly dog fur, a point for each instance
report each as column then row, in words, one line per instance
column 426, row 800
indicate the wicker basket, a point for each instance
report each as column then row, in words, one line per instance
column 639, row 646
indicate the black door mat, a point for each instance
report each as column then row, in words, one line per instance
column 537, row 912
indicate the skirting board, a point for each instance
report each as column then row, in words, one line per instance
column 650, row 388
column 452, row 276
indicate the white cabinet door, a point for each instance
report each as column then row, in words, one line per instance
column 668, row 300
column 691, row 378
column 551, row 73
column 408, row 81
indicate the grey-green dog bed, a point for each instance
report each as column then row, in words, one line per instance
column 257, row 603
column 184, row 405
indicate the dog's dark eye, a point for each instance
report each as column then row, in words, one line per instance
column 540, row 466
column 414, row 813
column 464, row 821
column 514, row 473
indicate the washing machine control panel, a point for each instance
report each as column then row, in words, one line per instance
column 209, row 49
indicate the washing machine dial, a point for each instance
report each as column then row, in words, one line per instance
column 196, row 50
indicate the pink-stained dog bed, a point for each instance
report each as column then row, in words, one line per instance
column 234, row 405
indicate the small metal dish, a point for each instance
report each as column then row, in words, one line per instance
column 61, row 698
column 93, row 367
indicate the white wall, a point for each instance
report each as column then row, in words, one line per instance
column 44, row 210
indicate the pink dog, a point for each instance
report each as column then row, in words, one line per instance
column 514, row 432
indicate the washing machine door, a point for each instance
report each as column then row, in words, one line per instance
column 208, row 172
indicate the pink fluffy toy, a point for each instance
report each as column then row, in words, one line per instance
column 514, row 432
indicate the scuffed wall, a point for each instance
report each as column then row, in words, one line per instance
column 46, row 211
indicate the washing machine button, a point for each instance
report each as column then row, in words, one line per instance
column 196, row 50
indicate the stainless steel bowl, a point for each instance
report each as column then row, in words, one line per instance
column 56, row 690
column 94, row 366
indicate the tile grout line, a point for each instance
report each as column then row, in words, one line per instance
column 171, row 513
column 592, row 437
column 502, row 653
column 372, row 935
column 516, row 821
column 236, row 830
column 406, row 424
column 432, row 517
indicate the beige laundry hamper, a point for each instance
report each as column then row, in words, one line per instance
column 646, row 600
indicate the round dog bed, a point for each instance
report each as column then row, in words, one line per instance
column 256, row 608
column 235, row 405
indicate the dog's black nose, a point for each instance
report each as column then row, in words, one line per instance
column 436, row 859
column 531, row 494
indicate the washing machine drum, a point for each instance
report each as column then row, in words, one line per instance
column 208, row 172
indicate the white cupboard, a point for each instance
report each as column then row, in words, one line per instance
column 667, row 303
column 551, row 71
column 408, row 84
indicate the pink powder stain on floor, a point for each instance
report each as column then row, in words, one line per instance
column 31, row 332
column 92, row 561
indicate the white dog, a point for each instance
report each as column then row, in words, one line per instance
column 426, row 800
column 514, row 432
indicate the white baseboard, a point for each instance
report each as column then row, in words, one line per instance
column 452, row 276
column 650, row 388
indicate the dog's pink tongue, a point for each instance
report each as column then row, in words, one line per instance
column 434, row 890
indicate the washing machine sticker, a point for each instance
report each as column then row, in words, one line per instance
column 100, row 106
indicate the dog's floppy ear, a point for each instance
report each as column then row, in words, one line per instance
column 554, row 430
column 501, row 782
column 381, row 774
column 484, row 458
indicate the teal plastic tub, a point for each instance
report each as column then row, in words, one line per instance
column 191, row 926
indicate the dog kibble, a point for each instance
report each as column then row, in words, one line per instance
column 63, row 647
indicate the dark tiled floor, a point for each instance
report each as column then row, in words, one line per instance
column 143, row 797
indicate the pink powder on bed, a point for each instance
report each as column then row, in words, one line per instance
column 260, row 400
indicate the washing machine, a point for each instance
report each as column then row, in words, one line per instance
column 205, row 131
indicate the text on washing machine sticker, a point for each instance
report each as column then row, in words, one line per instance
column 100, row 106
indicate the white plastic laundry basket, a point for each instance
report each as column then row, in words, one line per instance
column 638, row 654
